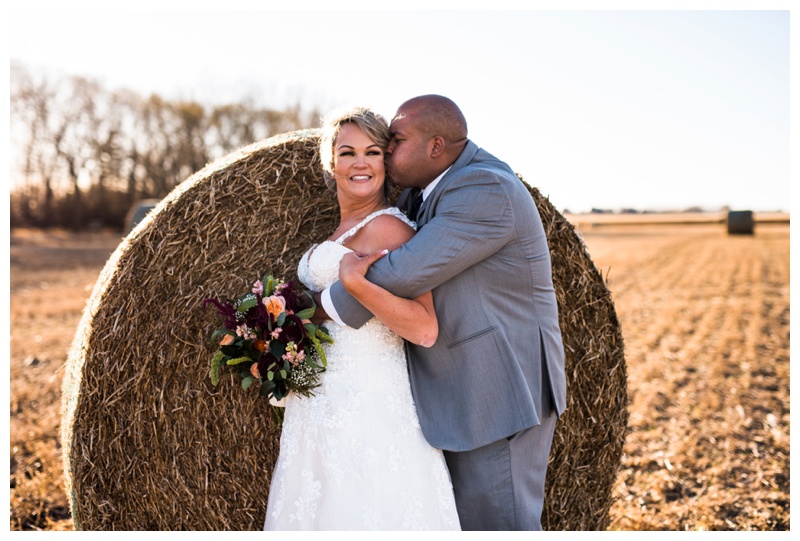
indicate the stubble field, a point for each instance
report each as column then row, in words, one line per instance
column 704, row 315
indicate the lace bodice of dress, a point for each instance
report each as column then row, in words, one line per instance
column 326, row 256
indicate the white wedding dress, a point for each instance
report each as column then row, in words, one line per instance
column 353, row 457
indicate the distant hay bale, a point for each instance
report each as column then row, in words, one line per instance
column 149, row 444
column 741, row 222
column 137, row 212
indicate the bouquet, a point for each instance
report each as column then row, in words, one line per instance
column 267, row 338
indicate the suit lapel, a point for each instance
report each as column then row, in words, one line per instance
column 463, row 159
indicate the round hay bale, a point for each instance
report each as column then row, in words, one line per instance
column 741, row 222
column 587, row 445
column 150, row 444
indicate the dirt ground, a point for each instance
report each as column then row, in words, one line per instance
column 705, row 317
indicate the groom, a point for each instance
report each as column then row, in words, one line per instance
column 491, row 388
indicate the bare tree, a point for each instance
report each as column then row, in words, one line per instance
column 84, row 154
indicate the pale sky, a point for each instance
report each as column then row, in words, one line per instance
column 613, row 108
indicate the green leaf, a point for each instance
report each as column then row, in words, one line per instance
column 283, row 374
column 232, row 350
column 246, row 302
column 281, row 319
column 277, row 348
column 267, row 386
column 308, row 313
column 270, row 375
column 219, row 333
column 311, row 363
column 238, row 360
column 247, row 382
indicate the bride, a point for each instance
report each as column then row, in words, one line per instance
column 353, row 457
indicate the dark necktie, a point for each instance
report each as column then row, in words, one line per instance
column 413, row 211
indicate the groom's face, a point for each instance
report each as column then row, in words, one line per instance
column 407, row 159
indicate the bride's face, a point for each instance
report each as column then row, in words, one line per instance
column 358, row 163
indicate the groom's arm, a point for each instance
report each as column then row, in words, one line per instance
column 326, row 309
column 474, row 219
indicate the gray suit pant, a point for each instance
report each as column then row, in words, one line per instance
column 500, row 486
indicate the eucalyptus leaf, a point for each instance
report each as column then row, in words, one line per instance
column 216, row 335
column 308, row 313
column 247, row 382
column 246, row 302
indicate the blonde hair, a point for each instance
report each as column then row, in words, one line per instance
column 370, row 122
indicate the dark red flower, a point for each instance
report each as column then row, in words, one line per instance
column 226, row 310
column 267, row 363
column 293, row 330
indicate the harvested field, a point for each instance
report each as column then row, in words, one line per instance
column 705, row 318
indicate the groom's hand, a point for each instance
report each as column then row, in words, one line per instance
column 353, row 267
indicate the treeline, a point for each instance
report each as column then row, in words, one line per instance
column 83, row 154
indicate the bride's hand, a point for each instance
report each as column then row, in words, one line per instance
column 354, row 266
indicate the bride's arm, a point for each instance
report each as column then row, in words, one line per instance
column 413, row 319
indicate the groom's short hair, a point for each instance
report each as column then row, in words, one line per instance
column 439, row 115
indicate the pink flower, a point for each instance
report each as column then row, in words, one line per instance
column 276, row 333
column 258, row 287
column 292, row 354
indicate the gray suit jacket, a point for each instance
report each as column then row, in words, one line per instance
column 482, row 249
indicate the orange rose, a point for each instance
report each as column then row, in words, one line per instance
column 254, row 370
column 260, row 345
column 227, row 339
column 275, row 305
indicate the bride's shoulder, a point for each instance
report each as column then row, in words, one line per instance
column 393, row 218
column 389, row 229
